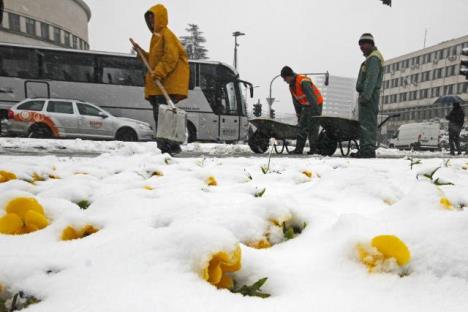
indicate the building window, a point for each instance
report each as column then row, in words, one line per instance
column 437, row 73
column 45, row 32
column 448, row 90
column 30, row 26
column 14, row 20
column 403, row 97
column 57, row 35
column 423, row 94
column 81, row 44
column 435, row 92
column 462, row 88
column 66, row 38
column 75, row 42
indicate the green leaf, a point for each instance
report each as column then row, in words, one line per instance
column 253, row 290
column 84, row 204
column 439, row 183
column 260, row 193
column 289, row 233
column 265, row 169
column 258, row 284
column 431, row 175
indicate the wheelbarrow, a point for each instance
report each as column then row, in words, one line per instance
column 266, row 128
column 335, row 132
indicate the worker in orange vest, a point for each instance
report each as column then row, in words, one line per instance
column 308, row 103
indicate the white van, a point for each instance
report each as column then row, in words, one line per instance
column 417, row 136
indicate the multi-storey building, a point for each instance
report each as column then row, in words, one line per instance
column 339, row 96
column 52, row 23
column 414, row 81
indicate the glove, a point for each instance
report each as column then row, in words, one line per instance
column 155, row 76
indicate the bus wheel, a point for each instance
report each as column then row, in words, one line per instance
column 126, row 135
column 258, row 142
column 40, row 131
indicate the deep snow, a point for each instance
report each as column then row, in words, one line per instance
column 158, row 232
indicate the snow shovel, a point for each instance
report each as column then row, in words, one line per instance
column 172, row 122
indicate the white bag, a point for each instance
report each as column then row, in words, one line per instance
column 171, row 125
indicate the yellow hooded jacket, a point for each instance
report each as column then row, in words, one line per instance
column 167, row 57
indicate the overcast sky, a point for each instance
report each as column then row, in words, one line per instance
column 308, row 35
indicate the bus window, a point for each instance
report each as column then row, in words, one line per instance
column 231, row 107
column 17, row 62
column 212, row 88
column 68, row 67
column 121, row 71
column 225, row 74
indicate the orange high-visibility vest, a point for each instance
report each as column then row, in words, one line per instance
column 299, row 94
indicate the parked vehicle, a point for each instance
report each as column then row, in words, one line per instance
column 62, row 118
column 216, row 106
column 417, row 136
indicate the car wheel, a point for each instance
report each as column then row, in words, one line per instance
column 40, row 131
column 126, row 135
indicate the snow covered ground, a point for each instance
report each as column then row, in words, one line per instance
column 93, row 148
column 160, row 222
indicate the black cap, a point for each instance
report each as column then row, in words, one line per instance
column 287, row 72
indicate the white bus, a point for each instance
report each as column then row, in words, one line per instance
column 216, row 106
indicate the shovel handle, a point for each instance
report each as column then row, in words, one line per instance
column 156, row 81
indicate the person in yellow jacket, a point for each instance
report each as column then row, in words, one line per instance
column 169, row 63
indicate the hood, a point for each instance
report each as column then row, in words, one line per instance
column 160, row 17
column 134, row 121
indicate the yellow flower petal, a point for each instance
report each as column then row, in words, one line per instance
column 36, row 177
column 157, row 173
column 149, row 188
column 21, row 205
column 445, row 202
column 220, row 264
column 261, row 244
column 69, row 234
column 34, row 220
column 392, row 247
column 10, row 224
column 6, row 176
column 211, row 181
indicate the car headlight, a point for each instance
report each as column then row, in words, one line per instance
column 144, row 126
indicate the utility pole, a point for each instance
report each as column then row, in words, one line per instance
column 425, row 38
column 236, row 34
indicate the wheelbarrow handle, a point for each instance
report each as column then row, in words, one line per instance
column 156, row 81
column 387, row 119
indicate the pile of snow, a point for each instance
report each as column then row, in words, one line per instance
column 159, row 222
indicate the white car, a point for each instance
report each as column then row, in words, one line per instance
column 417, row 136
column 62, row 118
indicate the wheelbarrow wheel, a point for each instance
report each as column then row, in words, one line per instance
column 326, row 145
column 258, row 142
column 279, row 148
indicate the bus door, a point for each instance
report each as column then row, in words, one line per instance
column 245, row 91
column 229, row 120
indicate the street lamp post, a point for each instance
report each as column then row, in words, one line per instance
column 236, row 34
